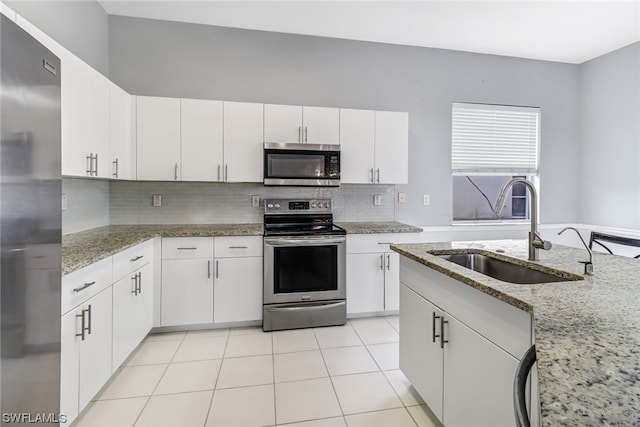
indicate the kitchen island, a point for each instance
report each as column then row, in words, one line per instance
column 587, row 332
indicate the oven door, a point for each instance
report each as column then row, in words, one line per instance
column 304, row 268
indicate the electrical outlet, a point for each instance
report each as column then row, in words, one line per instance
column 157, row 200
column 377, row 199
column 65, row 202
column 255, row 201
column 425, row 200
column 402, row 197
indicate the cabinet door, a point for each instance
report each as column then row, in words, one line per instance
column 95, row 350
column 478, row 377
column 357, row 136
column 132, row 312
column 74, row 91
column 158, row 138
column 365, row 283
column 70, row 364
column 392, row 147
column 421, row 358
column 238, row 289
column 243, row 141
column 282, row 123
column 187, row 291
column 98, row 141
column 201, row 140
column 391, row 281
column 121, row 132
column 321, row 125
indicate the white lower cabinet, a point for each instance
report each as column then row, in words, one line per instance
column 460, row 348
column 86, row 352
column 373, row 272
column 198, row 288
column 132, row 312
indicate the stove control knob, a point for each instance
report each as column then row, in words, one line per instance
column 277, row 205
column 326, row 205
column 270, row 206
column 313, row 205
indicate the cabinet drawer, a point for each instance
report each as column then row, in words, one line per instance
column 131, row 259
column 79, row 286
column 187, row 247
column 371, row 243
column 233, row 247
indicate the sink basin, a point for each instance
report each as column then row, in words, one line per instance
column 505, row 270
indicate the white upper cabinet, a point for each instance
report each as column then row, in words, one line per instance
column 374, row 147
column 294, row 123
column 243, row 138
column 122, row 132
column 98, row 139
column 201, row 142
column 357, row 138
column 321, row 125
column 158, row 138
column 392, row 147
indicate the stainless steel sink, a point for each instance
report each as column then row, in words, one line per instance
column 505, row 270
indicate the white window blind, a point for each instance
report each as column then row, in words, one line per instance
column 494, row 139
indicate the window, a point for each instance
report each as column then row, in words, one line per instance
column 490, row 145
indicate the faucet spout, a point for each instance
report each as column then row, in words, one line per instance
column 588, row 265
column 535, row 241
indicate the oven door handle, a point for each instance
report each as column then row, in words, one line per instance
column 305, row 242
column 307, row 307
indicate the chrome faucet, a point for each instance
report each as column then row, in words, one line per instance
column 588, row 265
column 535, row 241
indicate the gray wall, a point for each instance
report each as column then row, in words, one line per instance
column 87, row 204
column 151, row 57
column 81, row 26
column 610, row 148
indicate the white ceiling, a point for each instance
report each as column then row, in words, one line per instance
column 571, row 31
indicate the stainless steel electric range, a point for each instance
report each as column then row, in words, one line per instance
column 304, row 265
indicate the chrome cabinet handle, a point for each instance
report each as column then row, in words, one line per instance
column 218, row 171
column 442, row 340
column 115, row 168
column 226, row 172
column 299, row 133
column 381, row 262
column 433, row 327
column 306, row 134
column 385, row 243
column 388, row 262
column 139, row 282
column 85, row 286
column 89, row 316
column 89, row 164
column 82, row 325
column 238, row 247
column 378, row 176
column 217, row 269
column 209, row 269
column 187, row 249
column 134, row 280
column 175, row 172
column 96, row 171
column 371, row 174
column 137, row 258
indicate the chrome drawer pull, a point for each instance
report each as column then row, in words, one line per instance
column 137, row 258
column 85, row 286
column 238, row 247
column 187, row 249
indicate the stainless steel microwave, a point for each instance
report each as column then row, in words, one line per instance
column 309, row 165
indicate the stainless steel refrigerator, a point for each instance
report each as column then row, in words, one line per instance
column 30, row 229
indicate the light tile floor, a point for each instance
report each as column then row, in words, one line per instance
column 322, row 377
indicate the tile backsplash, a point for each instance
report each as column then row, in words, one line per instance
column 220, row 203
column 96, row 203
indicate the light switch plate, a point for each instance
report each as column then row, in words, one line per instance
column 157, row 200
column 426, row 200
column 255, row 201
column 402, row 197
column 65, row 202
column 377, row 199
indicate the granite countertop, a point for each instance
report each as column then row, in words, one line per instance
column 587, row 332
column 378, row 227
column 86, row 247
